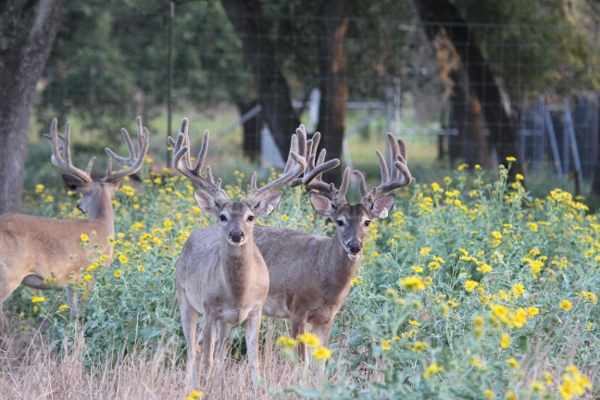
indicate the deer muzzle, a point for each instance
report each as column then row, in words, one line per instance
column 236, row 237
column 354, row 249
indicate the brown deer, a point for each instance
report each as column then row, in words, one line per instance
column 220, row 271
column 45, row 253
column 310, row 275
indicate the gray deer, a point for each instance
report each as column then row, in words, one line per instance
column 220, row 272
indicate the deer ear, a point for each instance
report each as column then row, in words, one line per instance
column 321, row 204
column 115, row 185
column 73, row 183
column 206, row 203
column 382, row 206
column 267, row 205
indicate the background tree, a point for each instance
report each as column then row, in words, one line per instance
column 27, row 31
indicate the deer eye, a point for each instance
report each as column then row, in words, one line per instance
column 340, row 222
column 223, row 218
column 250, row 218
column 367, row 223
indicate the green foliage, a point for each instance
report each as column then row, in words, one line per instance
column 470, row 288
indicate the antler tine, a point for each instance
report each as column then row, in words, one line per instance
column 339, row 196
column 181, row 162
column 134, row 162
column 400, row 175
column 299, row 166
column 64, row 147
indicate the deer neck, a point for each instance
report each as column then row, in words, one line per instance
column 342, row 267
column 102, row 212
column 237, row 263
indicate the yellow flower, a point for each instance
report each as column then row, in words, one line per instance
column 118, row 273
column 412, row 283
column 417, row 269
column 413, row 322
column 431, row 370
column 39, row 188
column 488, row 394
column 84, row 237
column 385, row 345
column 141, row 268
column 548, row 378
column 419, row 347
column 513, row 363
column 286, row 341
column 510, row 395
column 470, row 285
column 478, row 321
column 87, row 277
column 511, row 159
column 38, row 299
column 425, row 251
column 322, row 353
column 518, row 289
column 63, row 307
column 195, row 394
column 285, row 217
column 519, row 177
column 505, row 342
column 309, row 339
column 537, row 387
column 49, row 199
column 123, row 259
column 167, row 223
column 565, row 305
column 591, row 297
column 533, row 311
column 476, row 362
column 485, row 268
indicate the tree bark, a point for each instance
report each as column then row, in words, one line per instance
column 471, row 144
column 334, row 83
column 442, row 14
column 271, row 86
column 27, row 32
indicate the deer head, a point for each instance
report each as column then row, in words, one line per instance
column 96, row 193
column 353, row 220
column 237, row 218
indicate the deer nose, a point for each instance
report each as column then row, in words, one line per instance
column 236, row 236
column 355, row 246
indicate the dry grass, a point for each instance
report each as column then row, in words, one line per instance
column 33, row 369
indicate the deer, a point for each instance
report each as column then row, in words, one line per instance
column 45, row 253
column 220, row 272
column 310, row 275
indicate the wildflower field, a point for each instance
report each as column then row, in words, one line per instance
column 470, row 289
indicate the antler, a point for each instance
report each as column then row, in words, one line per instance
column 312, row 178
column 181, row 162
column 400, row 175
column 294, row 167
column 58, row 150
column 134, row 162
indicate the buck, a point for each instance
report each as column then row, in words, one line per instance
column 310, row 275
column 45, row 253
column 220, row 272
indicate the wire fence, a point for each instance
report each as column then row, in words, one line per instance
column 191, row 58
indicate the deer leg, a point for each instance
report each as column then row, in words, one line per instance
column 223, row 329
column 299, row 322
column 323, row 332
column 72, row 301
column 252, row 329
column 189, row 321
column 209, row 336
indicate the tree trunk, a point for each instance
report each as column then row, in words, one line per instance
column 442, row 14
column 251, row 129
column 334, row 84
column 272, row 90
column 27, row 31
column 471, row 144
